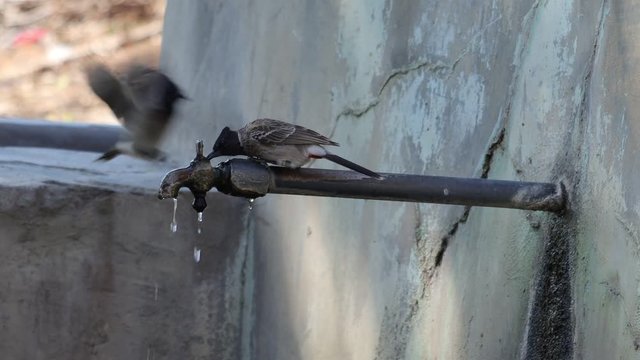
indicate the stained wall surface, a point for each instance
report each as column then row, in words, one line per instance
column 89, row 268
column 521, row 90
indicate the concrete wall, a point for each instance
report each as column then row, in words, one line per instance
column 529, row 90
column 89, row 268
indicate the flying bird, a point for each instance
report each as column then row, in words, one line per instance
column 280, row 143
column 142, row 99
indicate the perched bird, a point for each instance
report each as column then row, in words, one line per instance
column 280, row 143
column 142, row 99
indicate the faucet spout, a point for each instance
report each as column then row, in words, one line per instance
column 199, row 177
column 173, row 181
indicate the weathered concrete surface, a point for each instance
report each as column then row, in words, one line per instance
column 607, row 286
column 90, row 270
column 530, row 90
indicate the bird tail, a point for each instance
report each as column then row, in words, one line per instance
column 109, row 155
column 134, row 150
column 353, row 166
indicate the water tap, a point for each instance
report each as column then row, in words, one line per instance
column 199, row 177
column 245, row 178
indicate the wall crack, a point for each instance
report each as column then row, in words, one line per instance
column 486, row 167
column 433, row 67
column 585, row 86
column 444, row 242
column 356, row 112
column 488, row 156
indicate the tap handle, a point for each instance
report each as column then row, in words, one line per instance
column 199, row 150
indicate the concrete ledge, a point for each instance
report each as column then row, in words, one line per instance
column 23, row 166
column 90, row 269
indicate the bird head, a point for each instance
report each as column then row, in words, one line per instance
column 151, row 89
column 227, row 144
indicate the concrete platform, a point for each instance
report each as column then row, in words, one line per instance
column 89, row 268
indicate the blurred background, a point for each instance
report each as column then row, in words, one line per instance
column 46, row 44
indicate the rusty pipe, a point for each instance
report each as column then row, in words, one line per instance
column 251, row 179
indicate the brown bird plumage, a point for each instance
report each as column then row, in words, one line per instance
column 280, row 143
column 142, row 99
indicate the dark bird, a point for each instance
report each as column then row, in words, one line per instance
column 142, row 99
column 280, row 143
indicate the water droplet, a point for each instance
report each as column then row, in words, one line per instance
column 196, row 254
column 199, row 230
column 251, row 203
column 174, row 224
column 200, row 216
column 446, row 192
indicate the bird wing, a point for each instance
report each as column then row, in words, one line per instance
column 276, row 132
column 142, row 99
column 150, row 89
column 109, row 89
column 150, row 129
column 154, row 94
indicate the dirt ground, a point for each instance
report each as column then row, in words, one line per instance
column 45, row 45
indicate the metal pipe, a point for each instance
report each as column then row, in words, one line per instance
column 250, row 179
column 419, row 188
column 47, row 134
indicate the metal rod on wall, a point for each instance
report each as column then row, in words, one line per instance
column 251, row 179
column 418, row 188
